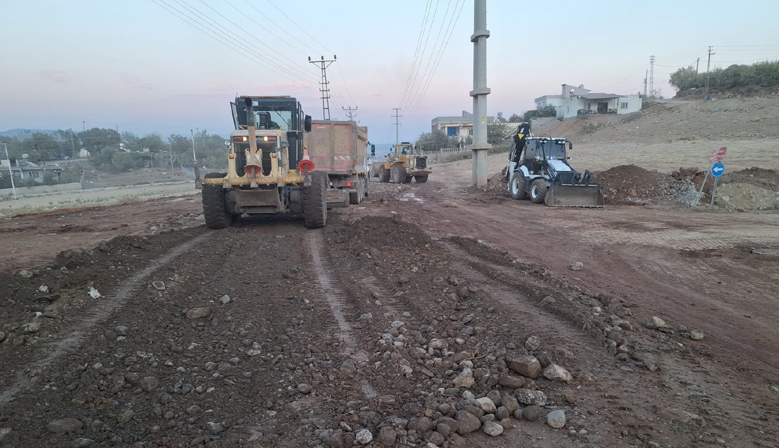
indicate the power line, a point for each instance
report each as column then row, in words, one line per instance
column 435, row 46
column 416, row 51
column 424, row 50
column 453, row 25
column 324, row 89
column 300, row 27
column 288, row 33
column 224, row 39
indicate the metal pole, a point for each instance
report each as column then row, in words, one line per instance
column 84, row 124
column 479, row 93
column 13, row 186
column 714, row 192
column 194, row 155
column 705, row 178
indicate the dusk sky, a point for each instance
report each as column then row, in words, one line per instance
column 135, row 65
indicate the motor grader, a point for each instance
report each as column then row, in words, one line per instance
column 268, row 169
column 403, row 166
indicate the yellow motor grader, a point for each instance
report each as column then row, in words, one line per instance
column 268, row 169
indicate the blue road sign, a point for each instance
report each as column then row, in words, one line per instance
column 717, row 169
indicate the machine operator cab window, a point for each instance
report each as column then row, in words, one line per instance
column 406, row 149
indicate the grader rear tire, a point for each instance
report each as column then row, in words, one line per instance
column 214, row 210
column 315, row 201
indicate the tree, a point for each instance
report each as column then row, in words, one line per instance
column 152, row 142
column 97, row 139
column 497, row 134
column 40, row 147
column 686, row 78
column 514, row 118
column 546, row 111
column 436, row 141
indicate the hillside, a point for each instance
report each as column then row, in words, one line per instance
column 677, row 134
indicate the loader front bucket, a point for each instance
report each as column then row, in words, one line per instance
column 569, row 195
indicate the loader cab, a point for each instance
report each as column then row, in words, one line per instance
column 404, row 149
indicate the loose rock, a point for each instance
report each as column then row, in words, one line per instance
column 363, row 437
column 387, row 436
column 527, row 396
column 467, row 422
column 531, row 413
column 533, row 343
column 557, row 373
column 696, row 335
column 65, row 425
column 486, row 405
column 654, row 323
column 576, row 266
column 525, row 365
column 556, row 419
column 492, row 429
column 198, row 313
column 149, row 383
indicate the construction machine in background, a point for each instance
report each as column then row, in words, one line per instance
column 268, row 171
column 339, row 149
column 539, row 170
column 403, row 165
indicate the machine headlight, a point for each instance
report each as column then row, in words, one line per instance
column 227, row 143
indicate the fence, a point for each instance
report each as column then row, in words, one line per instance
column 444, row 154
column 23, row 191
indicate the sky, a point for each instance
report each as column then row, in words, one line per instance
column 137, row 65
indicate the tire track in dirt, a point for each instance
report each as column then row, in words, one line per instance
column 102, row 311
column 335, row 299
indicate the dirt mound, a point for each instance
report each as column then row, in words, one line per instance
column 377, row 232
column 629, row 184
column 759, row 177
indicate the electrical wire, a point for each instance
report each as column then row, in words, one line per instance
column 300, row 27
column 416, row 51
column 224, row 39
column 435, row 47
column 424, row 50
column 453, row 25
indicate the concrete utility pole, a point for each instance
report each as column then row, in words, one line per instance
column 480, row 92
column 646, row 78
column 697, row 63
column 323, row 64
column 397, row 118
column 349, row 112
column 13, row 186
column 84, row 124
column 708, row 75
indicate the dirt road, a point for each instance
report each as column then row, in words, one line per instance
column 388, row 323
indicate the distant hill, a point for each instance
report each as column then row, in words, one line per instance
column 17, row 132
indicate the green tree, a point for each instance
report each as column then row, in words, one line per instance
column 436, row 141
column 497, row 134
column 40, row 147
column 152, row 142
column 514, row 118
column 97, row 139
column 686, row 78
column 546, row 111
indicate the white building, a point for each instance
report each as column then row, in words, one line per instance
column 462, row 126
column 575, row 101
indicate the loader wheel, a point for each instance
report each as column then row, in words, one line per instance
column 398, row 174
column 384, row 174
column 421, row 179
column 315, row 201
column 214, row 211
column 538, row 191
column 518, row 186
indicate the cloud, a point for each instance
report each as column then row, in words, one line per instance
column 55, row 76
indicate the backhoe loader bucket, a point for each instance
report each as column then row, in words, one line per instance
column 570, row 195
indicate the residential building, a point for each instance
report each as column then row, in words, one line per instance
column 27, row 170
column 575, row 101
column 462, row 126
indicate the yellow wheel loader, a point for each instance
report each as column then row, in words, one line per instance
column 403, row 166
column 268, row 169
